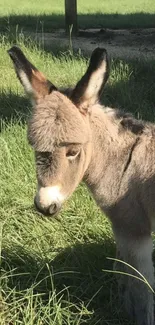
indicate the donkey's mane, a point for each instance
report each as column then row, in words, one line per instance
column 126, row 121
column 129, row 122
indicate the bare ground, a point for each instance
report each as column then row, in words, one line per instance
column 131, row 43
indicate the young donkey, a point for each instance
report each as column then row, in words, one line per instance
column 76, row 138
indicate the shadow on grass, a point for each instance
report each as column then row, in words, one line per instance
column 76, row 271
column 13, row 108
column 134, row 92
column 46, row 23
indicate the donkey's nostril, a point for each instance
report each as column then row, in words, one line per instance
column 54, row 208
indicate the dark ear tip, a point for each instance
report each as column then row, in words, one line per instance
column 100, row 53
column 98, row 56
column 100, row 50
column 14, row 51
column 14, row 47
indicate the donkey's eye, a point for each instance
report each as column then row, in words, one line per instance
column 72, row 153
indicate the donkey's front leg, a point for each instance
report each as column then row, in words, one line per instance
column 137, row 296
column 119, row 269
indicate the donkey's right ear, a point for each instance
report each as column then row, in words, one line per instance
column 33, row 81
column 88, row 90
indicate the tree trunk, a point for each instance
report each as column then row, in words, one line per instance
column 71, row 16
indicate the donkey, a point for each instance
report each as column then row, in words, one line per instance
column 75, row 138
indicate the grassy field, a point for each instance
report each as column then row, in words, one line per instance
column 52, row 270
column 37, row 15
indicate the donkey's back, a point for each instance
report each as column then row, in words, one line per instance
column 132, row 216
column 121, row 177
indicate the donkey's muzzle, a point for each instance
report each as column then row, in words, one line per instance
column 48, row 200
column 51, row 211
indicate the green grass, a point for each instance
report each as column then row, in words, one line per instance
column 51, row 269
column 45, row 16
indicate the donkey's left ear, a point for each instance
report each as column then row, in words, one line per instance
column 89, row 88
column 34, row 82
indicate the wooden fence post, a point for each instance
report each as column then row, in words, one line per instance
column 71, row 16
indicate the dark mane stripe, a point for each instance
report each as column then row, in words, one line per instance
column 130, row 123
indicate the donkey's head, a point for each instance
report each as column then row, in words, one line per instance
column 59, row 128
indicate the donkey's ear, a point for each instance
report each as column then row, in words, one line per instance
column 33, row 81
column 89, row 88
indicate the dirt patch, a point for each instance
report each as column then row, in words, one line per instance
column 133, row 43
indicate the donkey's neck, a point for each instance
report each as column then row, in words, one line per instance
column 111, row 148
